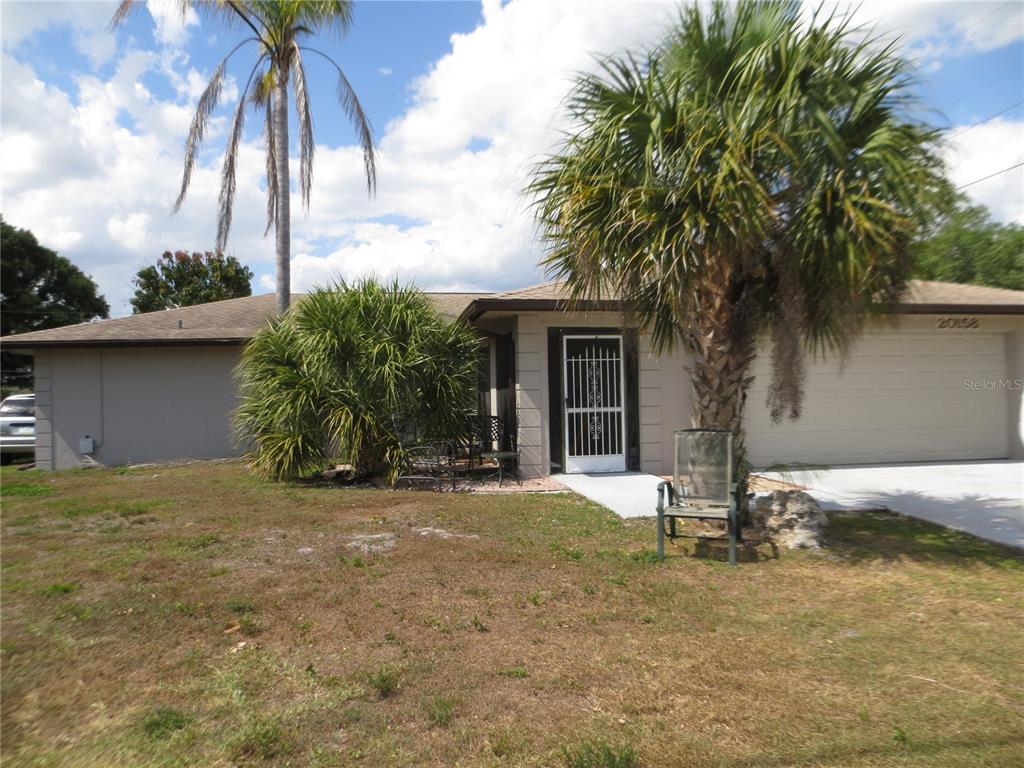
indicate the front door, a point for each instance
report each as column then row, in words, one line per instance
column 595, row 425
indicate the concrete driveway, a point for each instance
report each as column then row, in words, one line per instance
column 982, row 498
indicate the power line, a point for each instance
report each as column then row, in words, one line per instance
column 965, row 30
column 965, row 129
column 986, row 178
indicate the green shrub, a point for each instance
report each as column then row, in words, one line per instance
column 60, row 588
column 645, row 557
column 263, row 739
column 384, row 681
column 164, row 721
column 440, row 710
column 599, row 754
column 249, row 626
column 353, row 372
column 240, row 605
column 517, row 672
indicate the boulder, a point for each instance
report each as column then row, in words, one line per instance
column 791, row 519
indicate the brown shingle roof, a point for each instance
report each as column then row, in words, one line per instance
column 921, row 297
column 932, row 292
column 219, row 322
column 235, row 320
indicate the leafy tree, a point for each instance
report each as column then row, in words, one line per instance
column 349, row 372
column 753, row 175
column 39, row 289
column 181, row 279
column 967, row 246
column 279, row 28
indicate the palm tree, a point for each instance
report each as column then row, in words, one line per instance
column 351, row 372
column 755, row 175
column 278, row 29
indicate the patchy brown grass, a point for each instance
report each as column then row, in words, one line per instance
column 196, row 616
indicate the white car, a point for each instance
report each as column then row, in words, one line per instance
column 17, row 427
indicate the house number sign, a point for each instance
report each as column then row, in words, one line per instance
column 963, row 323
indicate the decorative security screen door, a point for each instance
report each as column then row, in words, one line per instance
column 595, row 428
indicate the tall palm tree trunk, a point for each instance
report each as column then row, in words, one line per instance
column 722, row 355
column 283, row 230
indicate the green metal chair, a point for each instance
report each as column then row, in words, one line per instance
column 670, row 509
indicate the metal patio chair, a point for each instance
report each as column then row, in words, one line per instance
column 499, row 446
column 430, row 462
column 701, row 488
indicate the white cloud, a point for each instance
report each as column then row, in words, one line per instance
column 384, row 71
column 89, row 23
column 500, row 88
column 172, row 21
column 983, row 150
column 131, row 230
column 932, row 29
column 102, row 193
column 449, row 211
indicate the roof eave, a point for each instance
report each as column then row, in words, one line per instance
column 477, row 308
column 27, row 345
column 959, row 309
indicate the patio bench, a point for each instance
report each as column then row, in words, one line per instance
column 671, row 509
column 430, row 462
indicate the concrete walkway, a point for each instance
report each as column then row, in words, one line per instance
column 627, row 494
column 982, row 498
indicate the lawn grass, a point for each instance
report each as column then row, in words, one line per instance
column 194, row 615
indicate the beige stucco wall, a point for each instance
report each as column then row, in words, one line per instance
column 664, row 395
column 150, row 404
column 665, row 389
column 139, row 404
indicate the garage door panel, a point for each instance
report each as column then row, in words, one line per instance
column 899, row 397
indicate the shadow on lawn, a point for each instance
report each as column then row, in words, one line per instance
column 746, row 551
column 881, row 535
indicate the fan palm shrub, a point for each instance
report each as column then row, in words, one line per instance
column 756, row 176
column 351, row 372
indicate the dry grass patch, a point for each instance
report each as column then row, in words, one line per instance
column 238, row 625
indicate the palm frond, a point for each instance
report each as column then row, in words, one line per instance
column 357, row 117
column 271, row 169
column 197, row 130
column 307, row 144
column 226, row 199
column 124, row 9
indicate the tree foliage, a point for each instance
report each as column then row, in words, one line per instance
column 352, row 372
column 966, row 246
column 755, row 174
column 181, row 279
column 39, row 289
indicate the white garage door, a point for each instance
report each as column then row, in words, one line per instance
column 901, row 397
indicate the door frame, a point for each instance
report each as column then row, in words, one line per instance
column 615, row 462
column 555, row 400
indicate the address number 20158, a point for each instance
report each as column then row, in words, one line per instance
column 957, row 322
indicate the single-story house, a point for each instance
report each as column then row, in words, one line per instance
column 582, row 391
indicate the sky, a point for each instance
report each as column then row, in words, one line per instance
column 464, row 98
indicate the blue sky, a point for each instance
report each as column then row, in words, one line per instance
column 463, row 96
